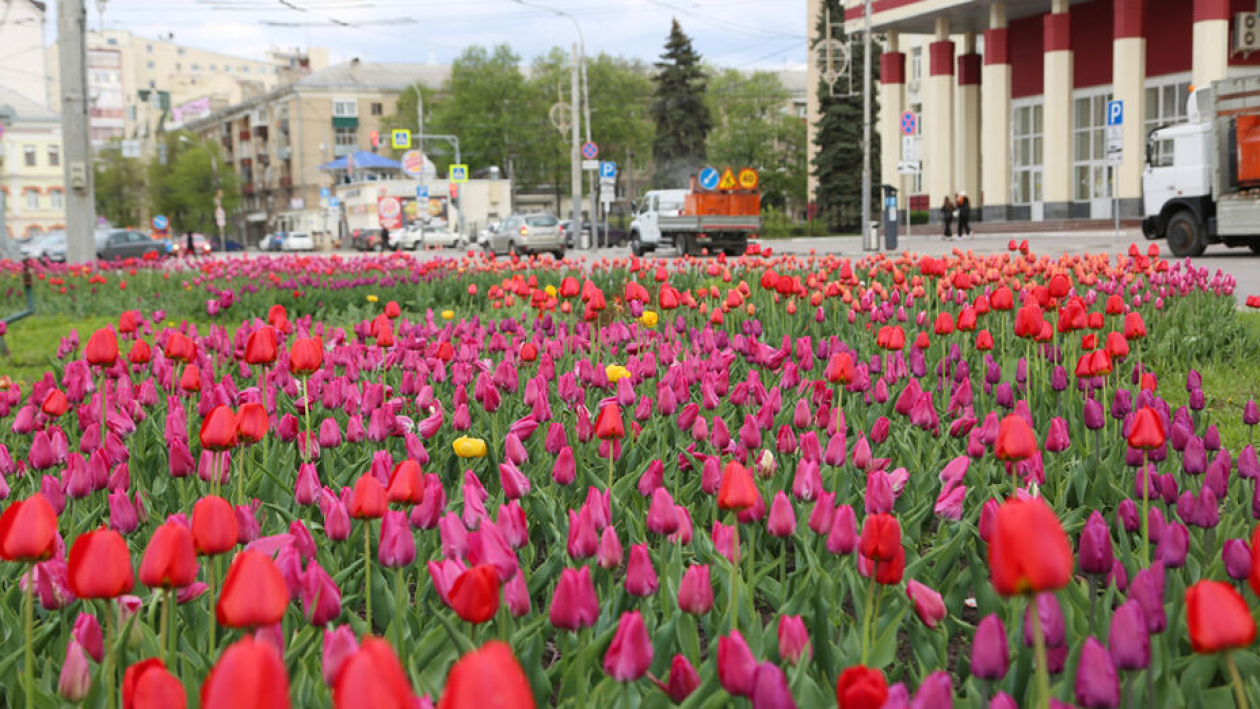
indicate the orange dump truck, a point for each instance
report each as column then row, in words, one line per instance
column 720, row 212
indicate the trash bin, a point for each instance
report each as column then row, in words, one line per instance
column 890, row 217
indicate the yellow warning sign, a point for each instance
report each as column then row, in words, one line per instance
column 748, row 179
column 728, row 180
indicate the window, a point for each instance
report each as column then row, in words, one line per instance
column 345, row 108
column 29, row 152
column 378, row 109
column 1091, row 176
column 1166, row 99
column 1026, row 136
column 55, row 199
column 54, row 155
column 32, row 199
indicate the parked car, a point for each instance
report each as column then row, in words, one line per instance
column 46, row 247
column 365, row 239
column 528, row 233
column 125, row 243
column 299, row 241
column 201, row 245
column 616, row 237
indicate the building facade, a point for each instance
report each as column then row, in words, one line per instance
column 276, row 141
column 31, row 168
column 1011, row 95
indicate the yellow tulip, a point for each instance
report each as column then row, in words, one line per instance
column 466, row 447
column 448, row 314
column 616, row 372
column 649, row 318
column 372, row 299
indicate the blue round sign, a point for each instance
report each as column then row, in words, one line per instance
column 160, row 222
column 709, row 178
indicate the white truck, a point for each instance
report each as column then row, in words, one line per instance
column 670, row 218
column 1202, row 179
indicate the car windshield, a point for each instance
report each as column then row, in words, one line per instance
column 541, row 220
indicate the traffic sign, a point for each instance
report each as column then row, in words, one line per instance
column 590, row 151
column 412, row 162
column 709, row 178
column 160, row 222
column 422, row 191
column 747, row 179
column 220, row 217
column 590, row 164
column 458, row 173
column 728, row 180
column 908, row 167
column 909, row 123
column 400, row 138
column 607, row 169
column 1115, row 113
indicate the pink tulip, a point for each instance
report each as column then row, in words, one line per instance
column 640, row 576
column 630, row 653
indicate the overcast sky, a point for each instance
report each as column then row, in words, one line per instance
column 768, row 34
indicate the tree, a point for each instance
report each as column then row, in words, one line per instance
column 679, row 112
column 754, row 128
column 183, row 187
column 119, row 186
column 838, row 163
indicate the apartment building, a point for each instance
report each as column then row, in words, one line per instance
column 277, row 140
column 30, row 168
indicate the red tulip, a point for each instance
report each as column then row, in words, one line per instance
column 1028, row 550
column 372, row 677
column 254, row 592
column 369, row 500
column 218, row 429
column 28, row 530
column 260, row 346
column 306, row 356
column 55, row 403
column 252, row 422
column 475, row 594
column 148, row 685
column 488, row 677
column 214, row 526
column 1016, row 440
column 1217, row 617
column 100, row 565
column 180, row 348
column 250, row 673
column 170, row 561
column 861, row 688
column 1147, row 431
column 102, row 348
column 608, row 425
column 738, row 491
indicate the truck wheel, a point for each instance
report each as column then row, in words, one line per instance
column 1185, row 235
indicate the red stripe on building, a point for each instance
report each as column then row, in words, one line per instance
column 1129, row 19
column 996, row 46
column 941, row 58
column 1213, row 10
column 1058, row 32
column 969, row 70
column 892, row 68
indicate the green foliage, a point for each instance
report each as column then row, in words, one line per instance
column 838, row 163
column 184, row 187
column 119, row 183
column 679, row 111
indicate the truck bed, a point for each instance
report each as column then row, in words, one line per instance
column 710, row 223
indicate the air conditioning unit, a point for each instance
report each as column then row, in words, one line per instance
column 1246, row 32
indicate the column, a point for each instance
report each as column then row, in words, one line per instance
column 1211, row 41
column 1128, row 84
column 1057, row 167
column 967, row 156
column 892, row 84
column 938, row 119
column 995, row 117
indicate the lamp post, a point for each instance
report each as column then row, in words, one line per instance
column 218, row 193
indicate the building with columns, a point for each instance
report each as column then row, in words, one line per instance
column 1012, row 94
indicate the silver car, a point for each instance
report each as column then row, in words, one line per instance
column 528, row 234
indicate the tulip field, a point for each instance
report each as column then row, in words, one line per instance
column 771, row 481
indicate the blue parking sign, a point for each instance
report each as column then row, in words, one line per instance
column 1115, row 113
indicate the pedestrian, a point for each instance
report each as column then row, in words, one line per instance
column 964, row 215
column 384, row 239
column 947, row 216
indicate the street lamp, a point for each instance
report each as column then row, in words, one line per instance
column 218, row 193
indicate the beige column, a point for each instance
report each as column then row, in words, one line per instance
column 1128, row 81
column 892, row 84
column 1211, row 41
column 938, row 119
column 995, row 118
column 967, row 161
column 1057, row 157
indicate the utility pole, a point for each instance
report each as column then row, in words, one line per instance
column 866, row 122
column 75, row 133
column 576, row 151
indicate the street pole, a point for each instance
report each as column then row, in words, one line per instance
column 576, row 171
column 866, row 122
column 75, row 135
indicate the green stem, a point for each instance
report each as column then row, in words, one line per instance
column 367, row 571
column 1043, row 669
column 1240, row 693
column 28, row 621
column 866, row 616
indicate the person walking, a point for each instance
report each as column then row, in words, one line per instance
column 964, row 215
column 947, row 216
